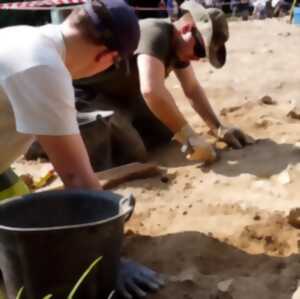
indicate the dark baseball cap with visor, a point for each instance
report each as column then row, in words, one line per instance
column 211, row 30
column 117, row 25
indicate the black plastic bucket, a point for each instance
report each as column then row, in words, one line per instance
column 48, row 240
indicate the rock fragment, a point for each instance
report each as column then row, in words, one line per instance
column 294, row 113
column 294, row 218
column 225, row 285
column 227, row 110
column 267, row 100
column 223, row 291
column 262, row 123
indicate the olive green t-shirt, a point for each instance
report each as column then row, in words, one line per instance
column 156, row 40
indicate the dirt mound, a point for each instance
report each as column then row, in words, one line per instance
column 195, row 264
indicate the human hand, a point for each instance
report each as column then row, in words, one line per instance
column 136, row 280
column 194, row 145
column 234, row 137
column 197, row 149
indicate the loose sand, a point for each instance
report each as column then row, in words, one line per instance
column 228, row 221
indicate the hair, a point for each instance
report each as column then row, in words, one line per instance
column 79, row 19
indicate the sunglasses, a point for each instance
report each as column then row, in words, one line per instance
column 199, row 49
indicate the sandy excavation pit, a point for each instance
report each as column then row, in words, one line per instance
column 228, row 222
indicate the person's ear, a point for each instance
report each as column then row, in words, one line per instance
column 98, row 57
column 186, row 28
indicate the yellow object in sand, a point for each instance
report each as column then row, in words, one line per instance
column 11, row 185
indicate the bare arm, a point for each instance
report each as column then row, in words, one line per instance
column 157, row 97
column 197, row 97
column 70, row 159
column 194, row 92
column 162, row 104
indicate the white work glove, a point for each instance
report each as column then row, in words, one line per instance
column 234, row 137
column 194, row 145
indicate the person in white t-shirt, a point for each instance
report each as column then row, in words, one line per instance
column 37, row 66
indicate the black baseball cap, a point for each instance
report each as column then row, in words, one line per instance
column 117, row 24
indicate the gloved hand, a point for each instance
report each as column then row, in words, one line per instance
column 234, row 137
column 135, row 280
column 194, row 145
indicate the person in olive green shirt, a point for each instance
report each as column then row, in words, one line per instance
column 141, row 95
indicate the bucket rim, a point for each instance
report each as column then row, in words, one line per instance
column 126, row 207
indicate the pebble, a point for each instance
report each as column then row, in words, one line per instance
column 267, row 100
column 256, row 217
column 294, row 218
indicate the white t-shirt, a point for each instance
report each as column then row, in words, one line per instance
column 36, row 92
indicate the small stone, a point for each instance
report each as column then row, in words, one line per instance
column 294, row 113
column 267, row 100
column 149, row 188
column 169, row 176
column 256, row 217
column 262, row 123
column 225, row 286
column 232, row 162
column 225, row 111
column 187, row 186
column 184, row 213
column 165, row 179
column 172, row 173
column 130, row 232
column 294, row 217
column 269, row 239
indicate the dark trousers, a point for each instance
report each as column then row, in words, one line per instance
column 133, row 128
column 136, row 112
